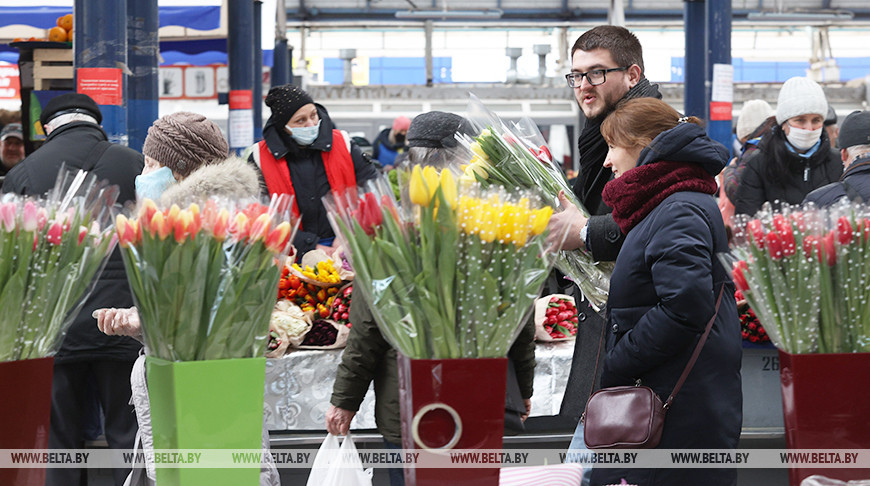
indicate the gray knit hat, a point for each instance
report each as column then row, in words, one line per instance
column 800, row 96
column 435, row 129
column 184, row 142
column 285, row 101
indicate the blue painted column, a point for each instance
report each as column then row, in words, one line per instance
column 695, row 67
column 281, row 67
column 100, row 50
column 258, row 70
column 142, row 56
column 240, row 54
column 720, row 72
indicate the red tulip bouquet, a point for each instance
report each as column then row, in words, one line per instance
column 806, row 274
column 453, row 272
column 51, row 251
column 516, row 155
column 204, row 277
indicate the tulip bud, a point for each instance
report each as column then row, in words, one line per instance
column 844, row 230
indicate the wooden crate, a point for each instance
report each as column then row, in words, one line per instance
column 49, row 65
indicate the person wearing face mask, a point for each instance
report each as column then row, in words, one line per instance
column 796, row 157
column 391, row 142
column 75, row 138
column 186, row 160
column 302, row 154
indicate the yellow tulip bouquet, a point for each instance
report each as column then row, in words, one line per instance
column 451, row 272
column 516, row 156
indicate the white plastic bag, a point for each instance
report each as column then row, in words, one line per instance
column 338, row 466
column 327, row 456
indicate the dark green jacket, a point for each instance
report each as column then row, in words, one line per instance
column 368, row 356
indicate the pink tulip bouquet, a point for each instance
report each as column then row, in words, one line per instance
column 51, row 251
column 204, row 278
column 806, row 274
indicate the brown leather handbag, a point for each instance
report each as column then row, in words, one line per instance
column 632, row 417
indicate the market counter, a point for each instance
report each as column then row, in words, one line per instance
column 299, row 384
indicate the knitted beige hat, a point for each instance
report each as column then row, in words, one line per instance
column 184, row 142
column 753, row 114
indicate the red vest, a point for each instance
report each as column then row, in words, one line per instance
column 337, row 162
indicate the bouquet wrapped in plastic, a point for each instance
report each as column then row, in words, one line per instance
column 454, row 271
column 806, row 274
column 516, row 156
column 51, row 251
column 204, row 277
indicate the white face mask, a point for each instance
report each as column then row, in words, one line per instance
column 305, row 135
column 803, row 139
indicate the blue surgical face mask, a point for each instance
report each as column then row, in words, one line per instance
column 152, row 184
column 305, row 135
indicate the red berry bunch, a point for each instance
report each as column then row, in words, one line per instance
column 560, row 319
column 341, row 306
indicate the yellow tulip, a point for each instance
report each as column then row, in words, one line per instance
column 448, row 188
column 507, row 223
column 431, row 178
column 478, row 151
column 489, row 219
column 540, row 219
column 417, row 187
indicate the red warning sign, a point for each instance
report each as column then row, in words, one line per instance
column 241, row 99
column 104, row 85
column 720, row 110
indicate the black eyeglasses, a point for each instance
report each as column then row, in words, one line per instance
column 594, row 77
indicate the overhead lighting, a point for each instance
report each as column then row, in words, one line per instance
column 490, row 13
column 837, row 15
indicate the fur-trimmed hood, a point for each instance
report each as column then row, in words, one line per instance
column 232, row 178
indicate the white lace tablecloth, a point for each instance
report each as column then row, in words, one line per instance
column 299, row 384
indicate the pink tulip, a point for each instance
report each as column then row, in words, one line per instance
column 55, row 233
column 7, row 216
column 83, row 232
column 29, row 217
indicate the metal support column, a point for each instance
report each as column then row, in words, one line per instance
column 142, row 55
column 695, row 67
column 281, row 73
column 240, row 52
column 427, row 27
column 258, row 70
column 720, row 71
column 100, row 52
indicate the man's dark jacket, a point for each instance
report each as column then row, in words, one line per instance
column 78, row 145
column 855, row 181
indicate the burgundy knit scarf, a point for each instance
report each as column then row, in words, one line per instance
column 637, row 192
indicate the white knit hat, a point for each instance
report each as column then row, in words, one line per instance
column 800, row 96
column 752, row 115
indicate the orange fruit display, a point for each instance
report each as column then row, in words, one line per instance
column 57, row 34
column 65, row 22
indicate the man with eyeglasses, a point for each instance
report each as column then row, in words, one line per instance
column 606, row 68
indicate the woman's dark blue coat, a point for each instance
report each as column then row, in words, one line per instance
column 662, row 294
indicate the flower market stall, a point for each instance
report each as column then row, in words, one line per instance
column 51, row 251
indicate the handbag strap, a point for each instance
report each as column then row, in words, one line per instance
column 697, row 351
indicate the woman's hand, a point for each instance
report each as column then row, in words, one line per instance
column 570, row 219
column 119, row 322
column 338, row 420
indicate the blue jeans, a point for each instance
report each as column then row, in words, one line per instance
column 397, row 474
column 579, row 445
